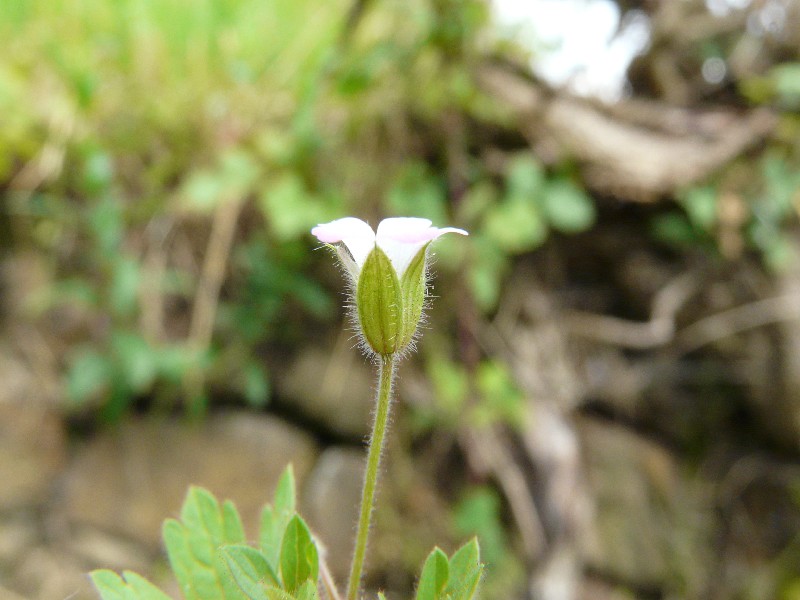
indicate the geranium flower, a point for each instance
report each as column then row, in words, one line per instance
column 389, row 272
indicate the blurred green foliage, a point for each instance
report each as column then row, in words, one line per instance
column 479, row 513
column 758, row 216
column 138, row 129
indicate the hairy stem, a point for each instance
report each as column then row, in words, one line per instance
column 386, row 375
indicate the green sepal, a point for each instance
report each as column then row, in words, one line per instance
column 379, row 301
column 412, row 285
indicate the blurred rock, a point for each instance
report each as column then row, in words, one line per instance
column 127, row 481
column 46, row 573
column 644, row 530
column 32, row 452
column 330, row 502
column 759, row 521
column 333, row 388
column 9, row 595
column 17, row 534
column 595, row 589
column 100, row 550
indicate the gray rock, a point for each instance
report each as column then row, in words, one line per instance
column 129, row 480
column 330, row 503
column 644, row 527
column 32, row 452
column 45, row 573
column 18, row 533
column 335, row 388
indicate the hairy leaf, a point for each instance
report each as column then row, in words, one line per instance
column 131, row 586
column 250, row 570
column 434, row 576
column 193, row 546
column 275, row 518
column 465, row 572
column 299, row 559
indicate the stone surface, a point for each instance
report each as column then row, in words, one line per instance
column 330, row 502
column 127, row 481
column 594, row 589
column 18, row 533
column 46, row 573
column 32, row 452
column 32, row 437
column 643, row 529
column 334, row 388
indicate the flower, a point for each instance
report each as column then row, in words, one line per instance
column 389, row 272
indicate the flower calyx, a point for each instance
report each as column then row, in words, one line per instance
column 388, row 269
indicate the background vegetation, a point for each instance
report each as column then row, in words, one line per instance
column 161, row 164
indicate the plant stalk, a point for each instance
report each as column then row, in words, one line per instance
column 385, row 377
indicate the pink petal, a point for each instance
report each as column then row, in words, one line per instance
column 338, row 230
column 352, row 232
column 408, row 230
column 403, row 237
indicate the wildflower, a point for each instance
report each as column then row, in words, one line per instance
column 389, row 274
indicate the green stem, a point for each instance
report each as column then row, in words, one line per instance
column 386, row 374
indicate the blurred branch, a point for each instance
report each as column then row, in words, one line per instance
column 737, row 320
column 540, row 463
column 658, row 331
column 220, row 241
column 328, row 584
column 48, row 164
column 201, row 328
column 661, row 329
column 154, row 266
column 636, row 150
column 354, row 16
column 488, row 453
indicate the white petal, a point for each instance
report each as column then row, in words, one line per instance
column 405, row 229
column 443, row 230
column 402, row 237
column 353, row 233
column 400, row 253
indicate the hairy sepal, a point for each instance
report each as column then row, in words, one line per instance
column 379, row 302
column 413, row 286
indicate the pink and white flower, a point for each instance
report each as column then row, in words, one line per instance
column 401, row 238
column 389, row 272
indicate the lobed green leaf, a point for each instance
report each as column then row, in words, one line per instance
column 465, row 572
column 193, row 546
column 275, row 518
column 299, row 561
column 250, row 570
column 274, row 593
column 434, row 576
column 131, row 586
column 307, row 591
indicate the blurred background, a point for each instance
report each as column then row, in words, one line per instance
column 607, row 391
